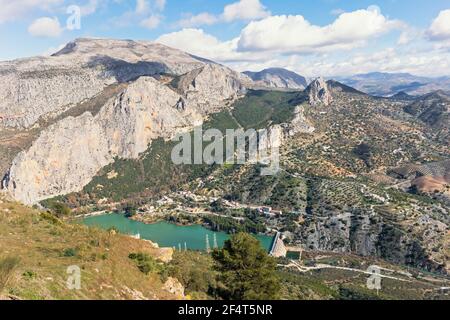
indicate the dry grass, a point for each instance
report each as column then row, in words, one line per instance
column 43, row 248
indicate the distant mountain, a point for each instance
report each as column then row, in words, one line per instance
column 433, row 109
column 388, row 84
column 403, row 96
column 278, row 78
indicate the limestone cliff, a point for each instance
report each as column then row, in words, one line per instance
column 319, row 92
column 33, row 88
column 67, row 154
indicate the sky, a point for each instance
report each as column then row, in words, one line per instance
column 310, row 37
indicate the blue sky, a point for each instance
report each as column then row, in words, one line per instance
column 312, row 37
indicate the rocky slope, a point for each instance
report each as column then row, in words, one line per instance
column 68, row 153
column 278, row 78
column 433, row 109
column 38, row 87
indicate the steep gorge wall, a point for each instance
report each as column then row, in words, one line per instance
column 69, row 153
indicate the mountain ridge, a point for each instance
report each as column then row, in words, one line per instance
column 278, row 78
column 388, row 84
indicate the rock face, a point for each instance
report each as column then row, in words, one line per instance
column 278, row 78
column 67, row 154
column 299, row 124
column 209, row 86
column 35, row 87
column 174, row 287
column 319, row 92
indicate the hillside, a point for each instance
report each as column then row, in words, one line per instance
column 40, row 248
column 37, row 248
column 360, row 175
column 337, row 191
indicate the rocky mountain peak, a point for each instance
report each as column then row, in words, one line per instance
column 33, row 88
column 319, row 92
column 114, row 96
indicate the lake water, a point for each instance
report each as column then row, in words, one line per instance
column 167, row 234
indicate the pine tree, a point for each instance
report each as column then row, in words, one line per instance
column 247, row 272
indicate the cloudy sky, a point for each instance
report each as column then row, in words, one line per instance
column 311, row 37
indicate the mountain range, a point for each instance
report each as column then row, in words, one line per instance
column 91, row 127
column 389, row 84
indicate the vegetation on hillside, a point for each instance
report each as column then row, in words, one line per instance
column 246, row 271
column 36, row 249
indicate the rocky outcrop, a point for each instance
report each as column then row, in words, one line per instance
column 367, row 233
column 173, row 286
column 319, row 92
column 33, row 88
column 69, row 153
column 299, row 123
column 210, row 86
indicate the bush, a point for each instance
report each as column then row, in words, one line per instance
column 59, row 209
column 195, row 272
column 70, row 252
column 29, row 275
column 146, row 263
column 130, row 211
column 247, row 272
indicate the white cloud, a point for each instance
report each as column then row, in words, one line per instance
column 296, row 34
column 146, row 6
column 245, row 10
column 336, row 12
column 160, row 4
column 204, row 18
column 293, row 43
column 440, row 27
column 197, row 42
column 151, row 22
column 45, row 27
column 242, row 10
column 408, row 35
column 142, row 7
column 90, row 7
column 14, row 9
column 146, row 13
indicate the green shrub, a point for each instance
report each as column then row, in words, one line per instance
column 146, row 263
column 59, row 209
column 247, row 272
column 70, row 252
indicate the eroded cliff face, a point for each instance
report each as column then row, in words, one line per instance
column 34, row 88
column 67, row 154
column 319, row 92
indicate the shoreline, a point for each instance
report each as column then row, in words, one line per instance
column 159, row 220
